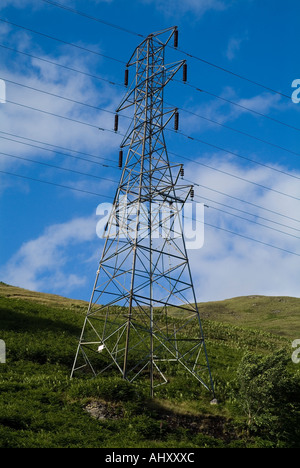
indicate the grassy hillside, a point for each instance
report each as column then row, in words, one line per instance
column 41, row 407
column 278, row 315
column 51, row 300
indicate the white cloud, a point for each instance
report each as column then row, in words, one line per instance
column 31, row 124
column 179, row 7
column 54, row 261
column 48, row 261
column 262, row 103
column 229, row 265
column 234, row 46
column 39, row 5
column 16, row 3
column 223, row 112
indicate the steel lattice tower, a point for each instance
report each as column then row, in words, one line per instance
column 143, row 315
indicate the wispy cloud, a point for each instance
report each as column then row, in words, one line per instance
column 231, row 265
column 227, row 109
column 20, row 118
column 15, row 3
column 39, row 5
column 234, row 46
column 65, row 255
column 178, row 7
column 49, row 262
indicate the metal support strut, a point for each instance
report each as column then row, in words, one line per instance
column 143, row 315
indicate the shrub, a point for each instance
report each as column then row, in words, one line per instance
column 269, row 396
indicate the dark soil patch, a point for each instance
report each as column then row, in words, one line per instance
column 100, row 410
column 213, row 426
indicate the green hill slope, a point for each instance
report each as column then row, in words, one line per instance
column 41, row 407
column 278, row 315
column 52, row 300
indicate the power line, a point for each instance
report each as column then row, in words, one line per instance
column 247, row 202
column 251, row 239
column 240, row 105
column 236, row 154
column 55, row 184
column 57, row 148
column 254, row 222
column 96, row 162
column 223, row 69
column 187, row 136
column 118, row 84
column 105, row 165
column 85, row 49
column 124, row 63
column 96, row 77
column 57, row 167
column 59, row 116
column 237, row 75
column 111, row 130
column 115, row 181
column 185, row 110
column 112, row 198
column 183, row 157
column 195, row 87
column 188, row 159
column 86, row 15
column 56, row 152
column 58, row 96
column 122, row 85
column 241, row 132
column 200, row 197
column 237, row 177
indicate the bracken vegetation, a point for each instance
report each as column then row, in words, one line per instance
column 249, row 345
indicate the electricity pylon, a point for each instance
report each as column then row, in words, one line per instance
column 143, row 315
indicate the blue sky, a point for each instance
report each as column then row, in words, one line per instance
column 243, row 158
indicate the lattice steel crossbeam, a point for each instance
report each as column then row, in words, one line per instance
column 143, row 314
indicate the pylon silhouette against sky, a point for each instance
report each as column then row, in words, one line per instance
column 143, row 317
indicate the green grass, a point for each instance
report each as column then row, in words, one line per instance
column 41, row 407
column 278, row 315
